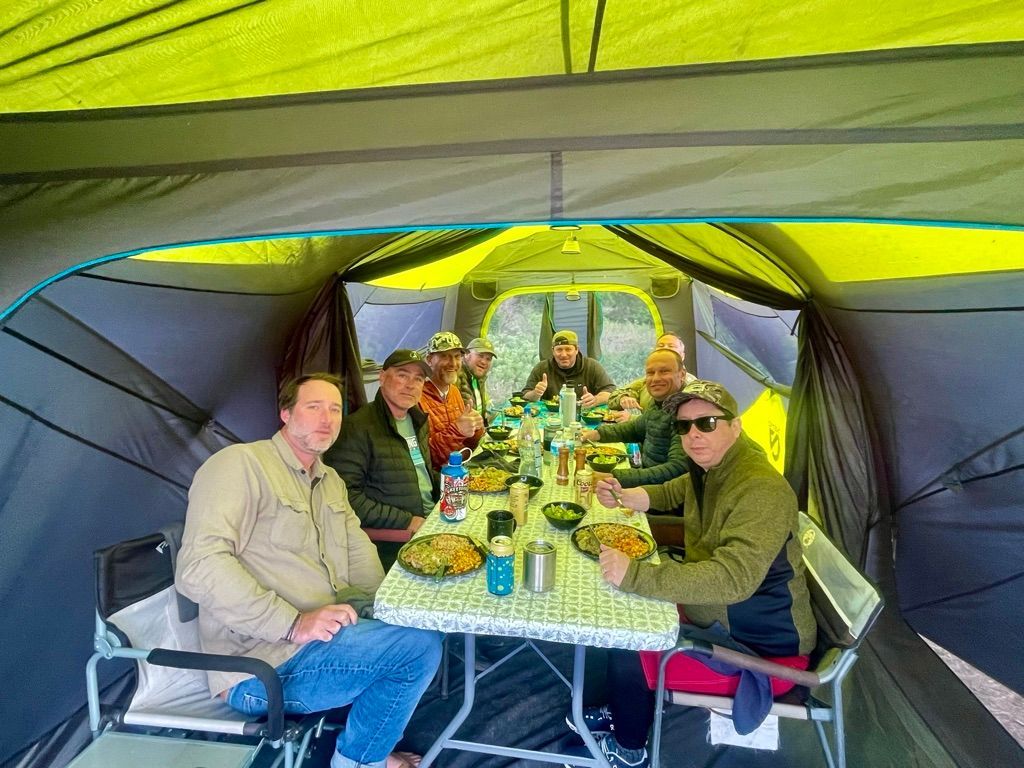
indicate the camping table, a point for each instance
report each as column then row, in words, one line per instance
column 581, row 610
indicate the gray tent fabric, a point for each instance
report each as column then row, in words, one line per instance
column 110, row 401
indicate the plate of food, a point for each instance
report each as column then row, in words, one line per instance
column 442, row 555
column 604, row 450
column 488, row 480
column 513, row 412
column 496, row 446
column 625, row 538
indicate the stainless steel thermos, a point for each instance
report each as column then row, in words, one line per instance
column 539, row 566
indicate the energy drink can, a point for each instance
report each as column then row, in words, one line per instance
column 518, row 502
column 633, row 452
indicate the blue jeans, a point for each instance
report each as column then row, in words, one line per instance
column 380, row 669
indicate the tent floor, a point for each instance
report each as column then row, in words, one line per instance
column 527, row 706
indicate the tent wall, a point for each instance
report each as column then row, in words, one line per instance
column 941, row 382
column 709, row 142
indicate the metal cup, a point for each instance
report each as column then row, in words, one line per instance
column 539, row 566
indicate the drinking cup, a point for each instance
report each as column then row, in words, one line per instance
column 500, row 522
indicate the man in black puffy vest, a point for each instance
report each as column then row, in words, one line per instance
column 382, row 452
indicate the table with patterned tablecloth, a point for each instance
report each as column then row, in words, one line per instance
column 581, row 609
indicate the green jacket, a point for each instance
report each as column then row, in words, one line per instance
column 637, row 389
column 661, row 450
column 374, row 461
column 743, row 565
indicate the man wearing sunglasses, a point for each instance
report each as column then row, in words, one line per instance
column 742, row 569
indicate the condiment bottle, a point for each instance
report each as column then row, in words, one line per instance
column 581, row 459
column 562, row 475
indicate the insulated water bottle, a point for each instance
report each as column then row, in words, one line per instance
column 454, row 480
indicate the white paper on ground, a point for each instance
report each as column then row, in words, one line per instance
column 722, row 731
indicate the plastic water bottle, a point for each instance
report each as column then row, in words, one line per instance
column 454, row 487
column 567, row 405
column 530, row 446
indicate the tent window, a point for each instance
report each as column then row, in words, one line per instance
column 626, row 327
column 383, row 328
column 627, row 337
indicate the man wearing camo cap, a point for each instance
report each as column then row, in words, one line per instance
column 743, row 568
column 453, row 424
column 476, row 365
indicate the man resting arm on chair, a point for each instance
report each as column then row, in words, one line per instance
column 743, row 566
column 274, row 556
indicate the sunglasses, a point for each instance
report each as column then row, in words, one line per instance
column 703, row 423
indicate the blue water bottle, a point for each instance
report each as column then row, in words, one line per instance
column 454, row 487
column 501, row 566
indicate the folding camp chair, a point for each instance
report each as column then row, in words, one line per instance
column 845, row 606
column 141, row 616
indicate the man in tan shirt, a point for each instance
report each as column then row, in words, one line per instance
column 275, row 557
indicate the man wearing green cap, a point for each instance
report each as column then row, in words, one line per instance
column 476, row 364
column 567, row 366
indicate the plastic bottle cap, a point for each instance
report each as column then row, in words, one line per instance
column 455, row 459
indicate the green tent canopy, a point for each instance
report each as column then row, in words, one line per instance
column 192, row 193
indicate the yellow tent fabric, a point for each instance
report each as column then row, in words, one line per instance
column 89, row 54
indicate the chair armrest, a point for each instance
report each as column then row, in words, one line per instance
column 219, row 663
column 388, row 534
column 803, row 677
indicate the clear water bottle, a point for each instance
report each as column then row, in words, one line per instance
column 530, row 445
column 567, row 405
column 454, row 488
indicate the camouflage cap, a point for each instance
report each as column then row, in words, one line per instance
column 444, row 342
column 480, row 344
column 708, row 391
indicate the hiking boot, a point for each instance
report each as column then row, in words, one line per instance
column 597, row 719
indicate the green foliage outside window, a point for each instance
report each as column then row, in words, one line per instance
column 627, row 339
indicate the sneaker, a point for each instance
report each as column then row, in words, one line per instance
column 597, row 719
column 620, row 757
column 616, row 755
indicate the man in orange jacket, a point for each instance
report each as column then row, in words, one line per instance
column 453, row 424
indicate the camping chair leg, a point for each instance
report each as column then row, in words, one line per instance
column 92, row 690
column 659, row 708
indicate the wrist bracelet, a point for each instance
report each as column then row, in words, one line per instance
column 291, row 629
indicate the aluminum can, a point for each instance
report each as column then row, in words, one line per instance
column 539, row 566
column 518, row 502
column 501, row 566
column 633, row 451
column 584, row 493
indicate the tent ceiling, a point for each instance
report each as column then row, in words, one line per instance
column 58, row 55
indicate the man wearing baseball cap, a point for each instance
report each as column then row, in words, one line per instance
column 567, row 366
column 453, row 424
column 742, row 571
column 476, row 365
column 381, row 453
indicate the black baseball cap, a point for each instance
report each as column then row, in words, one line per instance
column 405, row 357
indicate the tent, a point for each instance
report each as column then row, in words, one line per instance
column 862, row 165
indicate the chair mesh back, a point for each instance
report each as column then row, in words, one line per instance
column 845, row 602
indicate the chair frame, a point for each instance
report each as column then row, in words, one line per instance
column 291, row 737
column 834, row 663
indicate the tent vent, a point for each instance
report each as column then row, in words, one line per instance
column 485, row 290
column 664, row 287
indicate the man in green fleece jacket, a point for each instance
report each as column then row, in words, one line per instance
column 662, row 454
column 743, row 566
